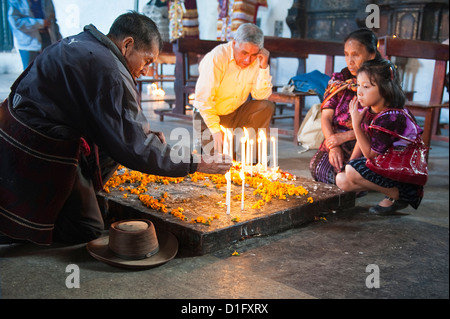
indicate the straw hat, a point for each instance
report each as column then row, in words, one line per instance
column 134, row 244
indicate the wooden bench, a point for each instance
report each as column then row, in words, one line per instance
column 417, row 49
column 191, row 51
column 300, row 49
column 188, row 52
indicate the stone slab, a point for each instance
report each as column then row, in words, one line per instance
column 202, row 199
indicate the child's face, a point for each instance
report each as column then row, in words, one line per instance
column 368, row 93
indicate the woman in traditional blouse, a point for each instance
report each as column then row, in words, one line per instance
column 335, row 151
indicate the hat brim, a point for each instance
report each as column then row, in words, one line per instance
column 168, row 248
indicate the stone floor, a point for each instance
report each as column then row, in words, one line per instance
column 335, row 257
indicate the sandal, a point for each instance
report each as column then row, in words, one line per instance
column 396, row 205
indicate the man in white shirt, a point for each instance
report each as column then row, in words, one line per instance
column 227, row 76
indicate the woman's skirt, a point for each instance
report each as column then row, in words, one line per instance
column 320, row 167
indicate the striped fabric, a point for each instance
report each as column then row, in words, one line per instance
column 190, row 20
column 233, row 13
column 36, row 177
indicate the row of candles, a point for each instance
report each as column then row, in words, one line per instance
column 247, row 158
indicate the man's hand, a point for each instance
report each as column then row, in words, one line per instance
column 263, row 57
column 214, row 164
column 160, row 136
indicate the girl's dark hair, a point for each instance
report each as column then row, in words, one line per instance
column 143, row 30
column 383, row 73
column 367, row 38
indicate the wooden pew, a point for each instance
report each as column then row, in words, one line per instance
column 189, row 51
column 300, row 48
column 417, row 49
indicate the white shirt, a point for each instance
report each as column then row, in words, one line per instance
column 223, row 86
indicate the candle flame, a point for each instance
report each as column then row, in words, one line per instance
column 154, row 90
column 246, row 134
column 262, row 135
column 225, row 132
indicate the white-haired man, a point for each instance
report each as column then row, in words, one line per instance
column 227, row 76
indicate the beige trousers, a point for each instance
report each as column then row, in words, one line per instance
column 253, row 115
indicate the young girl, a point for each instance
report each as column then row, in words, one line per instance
column 378, row 90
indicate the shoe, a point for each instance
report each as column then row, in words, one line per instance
column 396, row 205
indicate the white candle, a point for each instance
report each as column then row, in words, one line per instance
column 228, row 200
column 225, row 140
column 251, row 158
column 259, row 150
column 230, row 143
column 264, row 149
column 247, row 153
column 243, row 152
column 242, row 176
column 274, row 153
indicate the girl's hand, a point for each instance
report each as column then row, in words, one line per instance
column 356, row 115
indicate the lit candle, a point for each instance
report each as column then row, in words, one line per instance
column 251, row 158
column 228, row 200
column 274, row 153
column 263, row 149
column 242, row 176
column 154, row 87
column 247, row 153
column 259, row 150
column 230, row 143
column 243, row 152
column 225, row 140
column 160, row 92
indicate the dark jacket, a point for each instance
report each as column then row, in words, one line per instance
column 81, row 86
column 79, row 89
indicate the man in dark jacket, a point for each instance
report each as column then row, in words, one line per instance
column 71, row 117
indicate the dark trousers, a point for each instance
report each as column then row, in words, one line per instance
column 81, row 219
